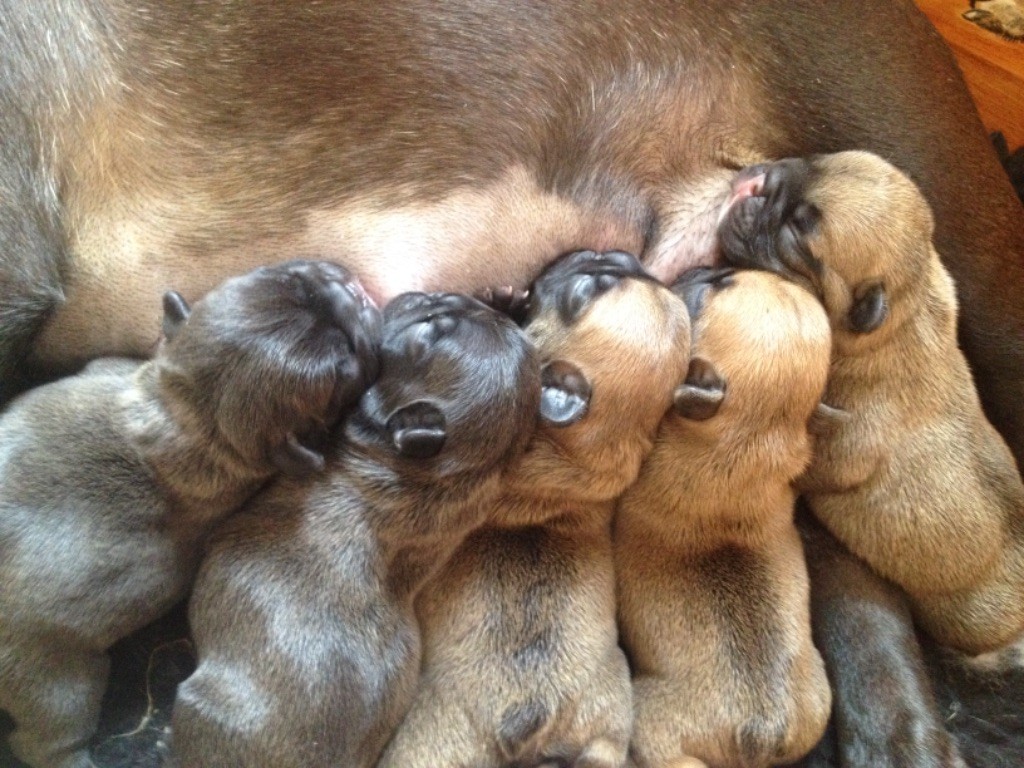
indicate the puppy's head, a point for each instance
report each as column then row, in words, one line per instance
column 614, row 344
column 458, row 388
column 760, row 358
column 270, row 359
column 849, row 227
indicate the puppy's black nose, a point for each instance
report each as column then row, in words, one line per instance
column 574, row 281
column 694, row 286
column 417, row 304
column 618, row 263
column 785, row 184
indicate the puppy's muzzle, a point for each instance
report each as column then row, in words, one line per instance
column 768, row 219
column 696, row 285
column 415, row 307
column 571, row 284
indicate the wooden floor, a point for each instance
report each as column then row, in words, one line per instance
column 992, row 65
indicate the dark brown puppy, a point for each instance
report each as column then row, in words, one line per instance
column 521, row 661
column 884, row 705
column 713, row 594
column 915, row 480
column 302, row 612
column 110, row 480
column 453, row 145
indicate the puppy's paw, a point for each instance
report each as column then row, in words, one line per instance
column 601, row 753
column 340, row 301
column 767, row 221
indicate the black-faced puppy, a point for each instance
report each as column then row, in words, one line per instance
column 302, row 612
column 521, row 661
column 109, row 480
column 713, row 593
column 915, row 480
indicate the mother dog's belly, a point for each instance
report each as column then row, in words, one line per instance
column 127, row 253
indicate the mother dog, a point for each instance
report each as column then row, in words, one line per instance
column 146, row 144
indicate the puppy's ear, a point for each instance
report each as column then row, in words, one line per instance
column 870, row 307
column 417, row 430
column 564, row 395
column 176, row 312
column 700, row 396
column 826, row 419
column 293, row 458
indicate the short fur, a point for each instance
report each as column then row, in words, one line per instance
column 521, row 661
column 110, row 480
column 915, row 481
column 450, row 145
column 302, row 612
column 713, row 592
column 885, row 709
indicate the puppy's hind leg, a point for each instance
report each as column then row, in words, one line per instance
column 54, row 698
column 884, row 709
column 437, row 733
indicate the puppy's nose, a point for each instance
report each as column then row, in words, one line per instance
column 694, row 286
column 785, row 182
column 416, row 303
column 607, row 262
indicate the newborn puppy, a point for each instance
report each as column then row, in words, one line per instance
column 713, row 592
column 914, row 480
column 302, row 612
column 521, row 662
column 109, row 480
column 885, row 712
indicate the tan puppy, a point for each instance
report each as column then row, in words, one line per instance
column 916, row 481
column 521, row 661
column 713, row 592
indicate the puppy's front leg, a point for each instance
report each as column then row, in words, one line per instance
column 55, row 703
column 884, row 710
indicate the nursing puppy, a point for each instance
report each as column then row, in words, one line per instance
column 302, row 613
column 713, row 593
column 915, row 480
column 109, row 480
column 452, row 145
column 521, row 662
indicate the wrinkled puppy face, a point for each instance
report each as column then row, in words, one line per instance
column 459, row 385
column 273, row 357
column 849, row 226
column 761, row 350
column 600, row 321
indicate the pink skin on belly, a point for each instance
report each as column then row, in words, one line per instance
column 502, row 235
